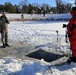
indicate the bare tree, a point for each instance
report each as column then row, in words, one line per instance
column 24, row 2
column 63, row 7
column 23, row 5
column 75, row 2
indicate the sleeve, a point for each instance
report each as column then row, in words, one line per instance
column 7, row 20
column 1, row 24
column 70, row 27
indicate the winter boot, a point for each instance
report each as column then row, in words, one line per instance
column 7, row 45
column 4, row 46
column 74, row 59
column 71, row 59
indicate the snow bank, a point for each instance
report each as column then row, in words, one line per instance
column 21, row 67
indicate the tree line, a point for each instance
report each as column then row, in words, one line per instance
column 25, row 7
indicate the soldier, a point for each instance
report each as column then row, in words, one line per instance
column 4, row 30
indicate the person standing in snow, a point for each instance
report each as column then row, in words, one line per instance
column 4, row 30
column 71, row 31
column 22, row 16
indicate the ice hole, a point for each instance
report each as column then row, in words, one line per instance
column 47, row 56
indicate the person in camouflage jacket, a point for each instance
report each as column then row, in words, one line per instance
column 4, row 30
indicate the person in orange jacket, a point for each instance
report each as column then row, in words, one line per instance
column 71, row 31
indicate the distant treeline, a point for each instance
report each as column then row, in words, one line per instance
column 35, row 8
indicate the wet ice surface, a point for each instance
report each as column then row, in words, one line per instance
column 25, row 37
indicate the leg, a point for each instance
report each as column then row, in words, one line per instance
column 3, row 39
column 73, row 49
column 6, row 39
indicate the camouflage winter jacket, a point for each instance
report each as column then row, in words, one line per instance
column 3, row 23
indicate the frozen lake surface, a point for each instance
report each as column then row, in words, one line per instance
column 29, row 36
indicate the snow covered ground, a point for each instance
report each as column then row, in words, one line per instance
column 41, row 34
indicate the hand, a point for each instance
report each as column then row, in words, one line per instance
column 69, row 35
column 6, row 30
column 1, row 31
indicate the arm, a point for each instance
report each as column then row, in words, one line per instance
column 6, row 20
column 72, row 27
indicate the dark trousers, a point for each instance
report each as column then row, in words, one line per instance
column 4, row 37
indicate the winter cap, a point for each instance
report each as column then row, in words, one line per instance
column 73, row 11
column 73, row 8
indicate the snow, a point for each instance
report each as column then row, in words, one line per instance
column 36, row 16
column 41, row 34
column 35, row 31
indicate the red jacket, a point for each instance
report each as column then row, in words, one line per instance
column 71, row 31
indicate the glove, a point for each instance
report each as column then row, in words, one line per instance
column 69, row 35
column 1, row 31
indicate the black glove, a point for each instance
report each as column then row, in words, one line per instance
column 69, row 35
column 1, row 31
